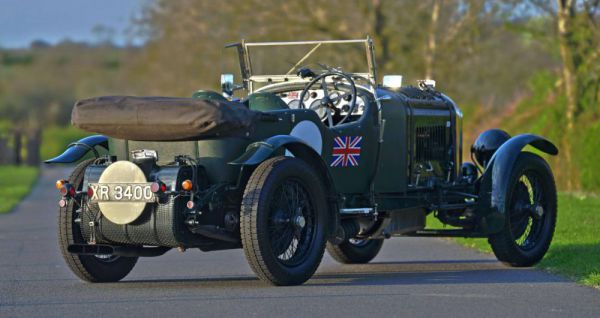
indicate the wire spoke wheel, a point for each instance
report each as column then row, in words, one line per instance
column 527, row 211
column 291, row 222
column 91, row 268
column 530, row 213
column 283, row 221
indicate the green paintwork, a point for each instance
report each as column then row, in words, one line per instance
column 394, row 177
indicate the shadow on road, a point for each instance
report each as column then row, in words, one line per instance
column 385, row 273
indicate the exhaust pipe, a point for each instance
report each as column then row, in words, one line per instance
column 126, row 251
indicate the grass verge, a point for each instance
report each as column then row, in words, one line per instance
column 575, row 249
column 15, row 183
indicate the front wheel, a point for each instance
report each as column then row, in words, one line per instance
column 531, row 216
column 355, row 251
column 283, row 220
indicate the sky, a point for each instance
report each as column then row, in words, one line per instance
column 23, row 21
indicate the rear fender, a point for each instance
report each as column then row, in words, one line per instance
column 492, row 205
column 76, row 150
column 260, row 151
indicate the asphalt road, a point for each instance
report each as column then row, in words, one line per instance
column 411, row 277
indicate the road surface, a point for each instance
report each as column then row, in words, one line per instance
column 411, row 277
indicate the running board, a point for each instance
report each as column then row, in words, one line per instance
column 444, row 233
column 126, row 251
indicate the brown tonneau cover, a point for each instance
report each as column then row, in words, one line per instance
column 161, row 118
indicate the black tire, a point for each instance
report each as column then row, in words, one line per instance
column 89, row 268
column 528, row 230
column 270, row 222
column 355, row 252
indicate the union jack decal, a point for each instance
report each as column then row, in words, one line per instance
column 346, row 151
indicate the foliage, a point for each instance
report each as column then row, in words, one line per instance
column 38, row 86
column 470, row 58
column 15, row 183
column 499, row 60
column 55, row 139
column 575, row 250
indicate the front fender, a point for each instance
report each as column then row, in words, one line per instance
column 78, row 149
column 495, row 180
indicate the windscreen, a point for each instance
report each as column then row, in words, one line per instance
column 287, row 59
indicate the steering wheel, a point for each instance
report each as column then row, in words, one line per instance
column 328, row 102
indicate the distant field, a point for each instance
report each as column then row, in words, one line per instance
column 575, row 250
column 15, row 183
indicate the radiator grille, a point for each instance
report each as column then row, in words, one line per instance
column 431, row 143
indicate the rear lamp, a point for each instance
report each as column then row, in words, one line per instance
column 90, row 192
column 60, row 183
column 190, row 205
column 187, row 185
column 67, row 190
column 158, row 187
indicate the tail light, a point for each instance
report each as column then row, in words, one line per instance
column 90, row 192
column 67, row 190
column 158, row 187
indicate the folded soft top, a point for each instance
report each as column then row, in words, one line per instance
column 161, row 118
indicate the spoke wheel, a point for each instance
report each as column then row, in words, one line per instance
column 531, row 216
column 291, row 222
column 91, row 268
column 527, row 211
column 283, row 221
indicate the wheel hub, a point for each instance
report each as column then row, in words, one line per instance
column 299, row 221
column 538, row 211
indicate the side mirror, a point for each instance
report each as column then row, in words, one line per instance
column 227, row 85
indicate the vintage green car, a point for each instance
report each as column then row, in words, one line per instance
column 316, row 155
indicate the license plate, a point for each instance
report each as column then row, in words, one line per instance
column 122, row 192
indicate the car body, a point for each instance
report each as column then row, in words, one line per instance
column 377, row 159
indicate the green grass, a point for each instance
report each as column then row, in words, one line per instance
column 15, row 183
column 575, row 249
column 55, row 140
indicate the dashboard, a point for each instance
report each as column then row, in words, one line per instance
column 313, row 98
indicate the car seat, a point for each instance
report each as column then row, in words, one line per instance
column 264, row 102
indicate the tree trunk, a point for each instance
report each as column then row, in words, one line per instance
column 17, row 147
column 379, row 36
column 566, row 13
column 6, row 154
column 33, row 147
column 431, row 44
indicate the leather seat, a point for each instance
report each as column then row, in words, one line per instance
column 265, row 102
column 208, row 95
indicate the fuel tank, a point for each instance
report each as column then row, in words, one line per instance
column 159, row 223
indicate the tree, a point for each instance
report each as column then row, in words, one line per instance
column 577, row 34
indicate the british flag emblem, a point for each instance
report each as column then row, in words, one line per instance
column 346, row 151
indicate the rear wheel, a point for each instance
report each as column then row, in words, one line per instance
column 283, row 221
column 91, row 268
column 531, row 218
column 355, row 251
